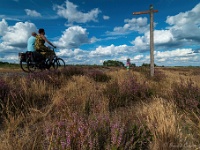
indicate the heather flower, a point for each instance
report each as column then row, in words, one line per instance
column 98, row 132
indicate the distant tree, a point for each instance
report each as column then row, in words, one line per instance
column 3, row 62
column 113, row 63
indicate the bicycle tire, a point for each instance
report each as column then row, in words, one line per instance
column 32, row 67
column 51, row 65
column 24, row 66
column 60, row 63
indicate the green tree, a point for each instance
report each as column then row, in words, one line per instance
column 113, row 63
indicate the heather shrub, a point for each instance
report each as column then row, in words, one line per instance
column 53, row 78
column 97, row 133
column 25, row 94
column 98, row 76
column 143, row 70
column 195, row 72
column 4, row 90
column 129, row 90
column 158, row 76
column 187, row 95
column 71, row 71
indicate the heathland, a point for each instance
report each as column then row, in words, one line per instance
column 98, row 108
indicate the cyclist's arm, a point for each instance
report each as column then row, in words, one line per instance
column 47, row 41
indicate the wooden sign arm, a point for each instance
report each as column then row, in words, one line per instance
column 145, row 12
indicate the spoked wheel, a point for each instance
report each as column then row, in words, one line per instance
column 32, row 66
column 24, row 66
column 51, row 65
column 60, row 63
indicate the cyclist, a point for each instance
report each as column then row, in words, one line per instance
column 40, row 47
column 31, row 42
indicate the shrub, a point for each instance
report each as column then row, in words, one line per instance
column 70, row 71
column 159, row 76
column 97, row 133
column 186, row 95
column 50, row 77
column 121, row 94
column 4, row 90
column 98, row 76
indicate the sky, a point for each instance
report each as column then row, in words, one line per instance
column 93, row 31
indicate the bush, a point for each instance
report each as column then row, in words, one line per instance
column 98, row 76
column 4, row 90
column 97, row 133
column 128, row 91
column 159, row 76
column 70, row 71
column 50, row 77
column 187, row 96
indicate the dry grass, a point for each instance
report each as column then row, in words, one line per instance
column 46, row 105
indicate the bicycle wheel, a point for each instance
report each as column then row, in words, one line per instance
column 23, row 66
column 60, row 63
column 51, row 65
column 32, row 66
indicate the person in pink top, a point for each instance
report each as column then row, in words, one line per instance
column 128, row 64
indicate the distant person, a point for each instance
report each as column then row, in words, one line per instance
column 31, row 42
column 128, row 64
column 40, row 45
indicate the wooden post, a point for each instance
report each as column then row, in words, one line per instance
column 151, row 11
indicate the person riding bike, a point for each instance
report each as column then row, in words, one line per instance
column 35, row 56
column 31, row 42
column 40, row 45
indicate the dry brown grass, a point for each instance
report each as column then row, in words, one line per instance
column 171, row 127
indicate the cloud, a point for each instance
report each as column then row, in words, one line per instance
column 3, row 27
column 111, row 51
column 138, row 57
column 106, row 17
column 185, row 25
column 174, row 53
column 73, row 37
column 176, row 57
column 135, row 24
column 32, row 13
column 141, row 43
column 183, row 30
column 70, row 12
column 18, row 34
column 161, row 38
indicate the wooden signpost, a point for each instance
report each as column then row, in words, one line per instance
column 151, row 11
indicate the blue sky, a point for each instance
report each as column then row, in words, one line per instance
column 92, row 31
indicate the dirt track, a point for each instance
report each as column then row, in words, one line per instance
column 11, row 72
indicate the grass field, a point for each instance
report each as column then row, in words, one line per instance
column 98, row 108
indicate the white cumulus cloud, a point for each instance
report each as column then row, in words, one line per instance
column 18, row 34
column 135, row 24
column 3, row 27
column 185, row 25
column 32, row 13
column 73, row 37
column 111, row 50
column 70, row 12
